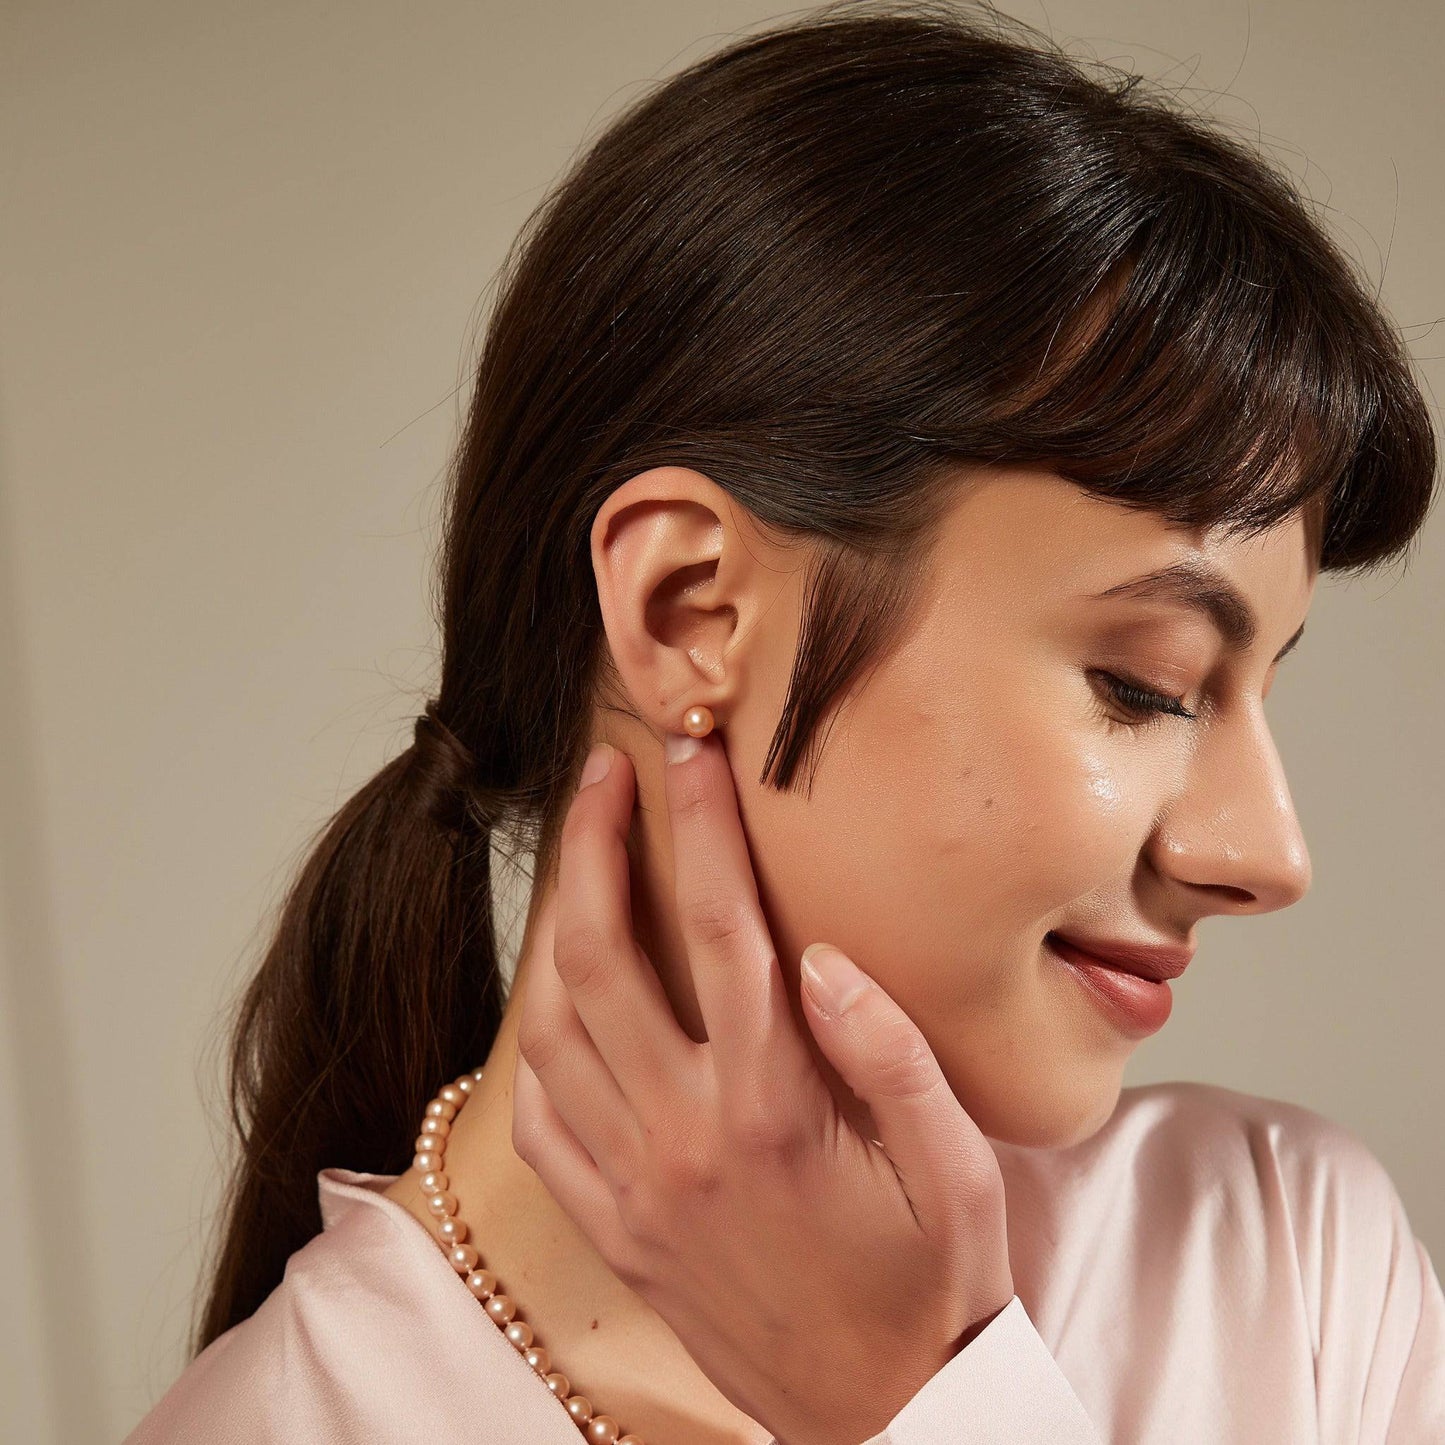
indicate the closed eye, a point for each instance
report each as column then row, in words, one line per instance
column 1142, row 702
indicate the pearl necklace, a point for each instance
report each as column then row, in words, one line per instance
column 451, row 1235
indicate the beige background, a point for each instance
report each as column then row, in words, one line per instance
column 244, row 250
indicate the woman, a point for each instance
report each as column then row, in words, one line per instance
column 950, row 440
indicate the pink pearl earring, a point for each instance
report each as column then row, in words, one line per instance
column 697, row 721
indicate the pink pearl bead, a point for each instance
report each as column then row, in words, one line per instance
column 697, row 721
column 463, row 1258
column 452, row 1232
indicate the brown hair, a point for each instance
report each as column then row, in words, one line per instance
column 824, row 266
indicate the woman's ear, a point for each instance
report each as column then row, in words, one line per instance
column 683, row 573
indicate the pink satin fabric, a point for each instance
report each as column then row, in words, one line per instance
column 1210, row 1267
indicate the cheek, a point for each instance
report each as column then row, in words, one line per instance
column 1074, row 816
column 950, row 834
column 1017, row 812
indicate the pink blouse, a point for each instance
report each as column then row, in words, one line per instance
column 1209, row 1267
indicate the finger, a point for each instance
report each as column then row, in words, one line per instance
column 552, row 1041
column 939, row 1153
column 544, row 1142
column 735, row 971
column 612, row 984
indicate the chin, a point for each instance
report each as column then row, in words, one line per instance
column 1048, row 1120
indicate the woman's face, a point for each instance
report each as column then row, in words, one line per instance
column 984, row 787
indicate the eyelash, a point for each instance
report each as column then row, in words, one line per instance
column 1136, row 698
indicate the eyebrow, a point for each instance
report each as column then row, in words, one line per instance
column 1207, row 591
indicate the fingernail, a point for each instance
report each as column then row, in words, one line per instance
column 679, row 747
column 833, row 979
column 599, row 762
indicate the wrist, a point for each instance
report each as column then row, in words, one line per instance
column 980, row 1325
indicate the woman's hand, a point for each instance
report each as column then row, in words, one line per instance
column 816, row 1278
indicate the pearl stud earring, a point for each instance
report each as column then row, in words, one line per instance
column 697, row 721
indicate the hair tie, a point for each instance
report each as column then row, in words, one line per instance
column 445, row 773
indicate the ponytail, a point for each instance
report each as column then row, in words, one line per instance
column 382, row 979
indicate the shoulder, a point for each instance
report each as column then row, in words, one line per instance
column 1251, row 1135
column 1268, row 1167
column 1241, row 1172
column 345, row 1346
column 1296, row 1207
column 282, row 1367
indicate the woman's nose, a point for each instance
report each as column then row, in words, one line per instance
column 1233, row 832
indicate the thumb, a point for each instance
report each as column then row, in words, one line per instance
column 880, row 1053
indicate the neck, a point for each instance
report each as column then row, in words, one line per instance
column 605, row 1338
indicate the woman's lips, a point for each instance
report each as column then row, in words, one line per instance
column 1136, row 1006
